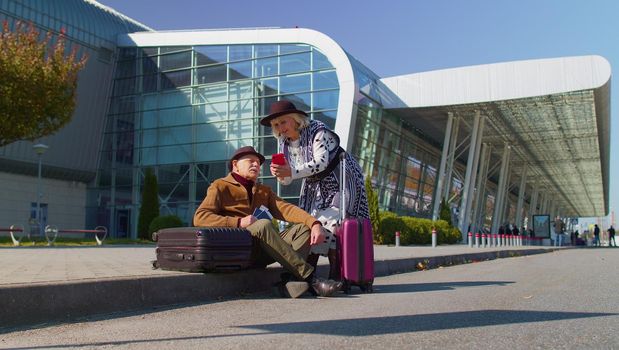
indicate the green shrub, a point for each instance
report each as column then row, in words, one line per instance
column 164, row 221
column 373, row 207
column 445, row 213
column 379, row 235
column 389, row 225
column 415, row 231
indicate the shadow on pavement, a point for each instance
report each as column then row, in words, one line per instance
column 420, row 323
column 371, row 325
column 428, row 287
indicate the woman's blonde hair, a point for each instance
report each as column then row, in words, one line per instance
column 301, row 120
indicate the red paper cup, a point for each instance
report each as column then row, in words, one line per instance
column 278, row 159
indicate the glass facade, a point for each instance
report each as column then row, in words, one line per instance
column 401, row 162
column 183, row 111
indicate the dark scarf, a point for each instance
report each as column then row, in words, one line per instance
column 248, row 184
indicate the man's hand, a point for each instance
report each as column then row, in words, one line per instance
column 317, row 236
column 248, row 220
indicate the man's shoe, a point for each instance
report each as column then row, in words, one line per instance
column 295, row 289
column 326, row 288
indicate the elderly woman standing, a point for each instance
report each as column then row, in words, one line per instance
column 312, row 153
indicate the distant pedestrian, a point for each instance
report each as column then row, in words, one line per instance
column 559, row 228
column 596, row 236
column 611, row 236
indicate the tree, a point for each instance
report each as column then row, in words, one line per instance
column 445, row 213
column 37, row 83
column 150, row 204
column 373, row 206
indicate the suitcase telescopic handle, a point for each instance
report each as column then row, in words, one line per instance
column 342, row 187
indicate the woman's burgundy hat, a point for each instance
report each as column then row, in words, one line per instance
column 280, row 108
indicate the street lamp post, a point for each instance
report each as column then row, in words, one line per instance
column 39, row 148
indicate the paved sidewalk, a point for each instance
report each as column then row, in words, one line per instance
column 50, row 284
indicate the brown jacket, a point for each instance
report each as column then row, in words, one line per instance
column 226, row 201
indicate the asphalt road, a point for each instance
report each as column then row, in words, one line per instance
column 565, row 299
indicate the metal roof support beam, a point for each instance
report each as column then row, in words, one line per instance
column 500, row 191
column 521, row 190
column 441, row 170
column 471, row 172
column 480, row 194
column 506, row 199
column 544, row 207
column 451, row 158
column 533, row 205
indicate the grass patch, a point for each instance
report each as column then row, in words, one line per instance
column 71, row 242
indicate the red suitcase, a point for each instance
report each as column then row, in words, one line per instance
column 355, row 245
column 203, row 249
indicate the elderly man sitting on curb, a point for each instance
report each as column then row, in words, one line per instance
column 231, row 201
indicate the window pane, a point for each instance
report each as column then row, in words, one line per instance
column 211, row 74
column 266, row 87
column 125, row 69
column 149, row 102
column 241, row 109
column 301, row 101
column 149, row 138
column 149, row 83
column 211, row 54
column 174, row 136
column 175, row 60
column 240, row 70
column 165, row 49
column 211, row 132
column 326, row 99
column 211, row 112
column 326, row 117
column 289, row 48
column 325, row 80
column 149, row 65
column 265, row 67
column 263, row 105
column 124, row 86
column 292, row 190
column 213, row 151
column 174, row 154
column 211, row 93
column 241, row 90
column 175, row 116
column 320, row 61
column 267, row 145
column 265, row 50
column 175, row 99
column 240, row 52
column 295, row 63
column 295, row 83
column 172, row 80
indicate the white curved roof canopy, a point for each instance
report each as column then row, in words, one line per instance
column 555, row 113
column 325, row 44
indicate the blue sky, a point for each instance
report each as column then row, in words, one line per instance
column 407, row 36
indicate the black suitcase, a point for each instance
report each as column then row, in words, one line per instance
column 203, row 249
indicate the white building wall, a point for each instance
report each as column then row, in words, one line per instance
column 66, row 201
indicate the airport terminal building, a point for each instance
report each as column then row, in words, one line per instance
column 499, row 142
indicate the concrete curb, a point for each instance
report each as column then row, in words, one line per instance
column 35, row 305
